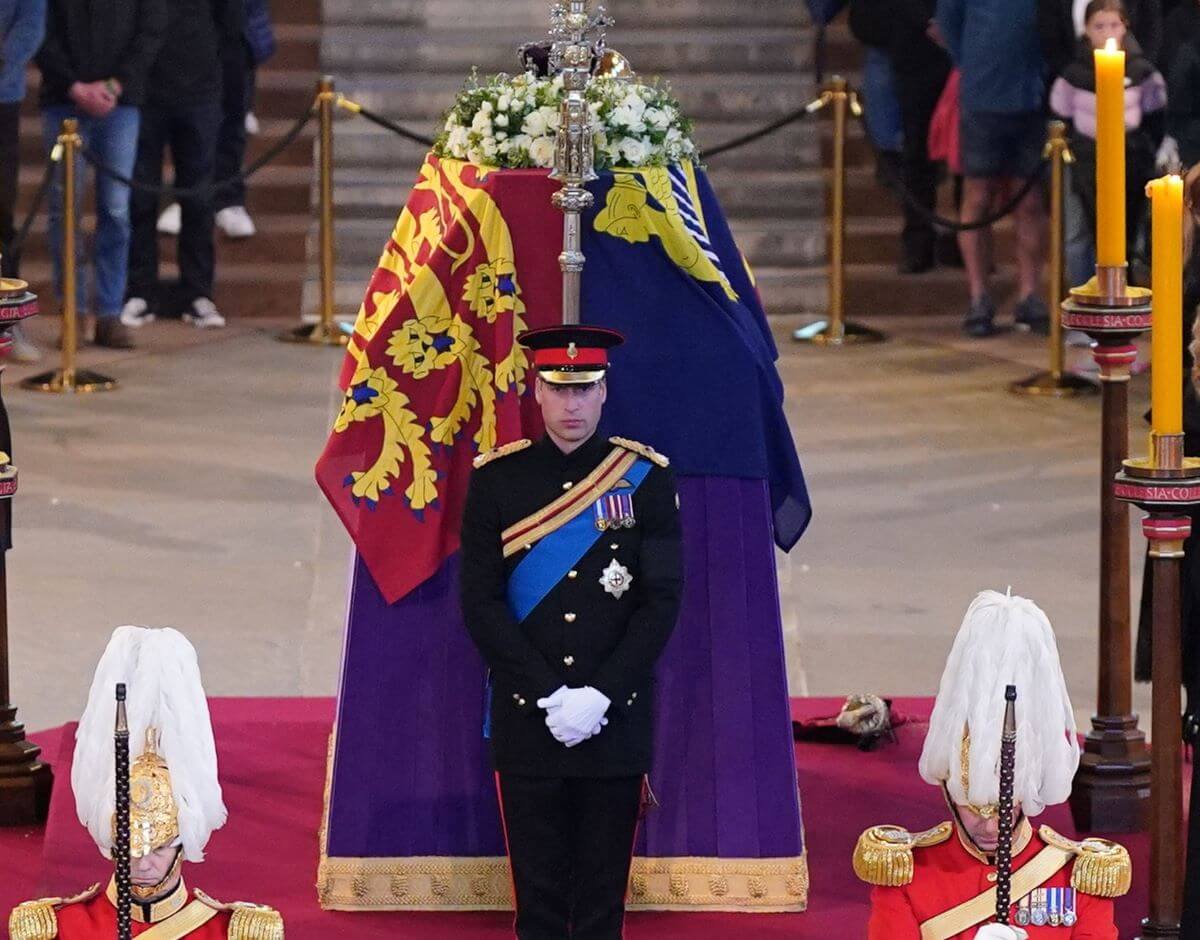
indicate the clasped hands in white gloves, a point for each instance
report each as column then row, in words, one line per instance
column 1000, row 932
column 574, row 715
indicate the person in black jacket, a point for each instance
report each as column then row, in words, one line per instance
column 906, row 32
column 95, row 62
column 183, row 112
column 571, row 584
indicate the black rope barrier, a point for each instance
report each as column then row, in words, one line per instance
column 207, row 189
column 39, row 199
column 400, row 131
column 762, row 132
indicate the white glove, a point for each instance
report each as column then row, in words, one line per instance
column 1168, row 153
column 574, row 715
column 1000, row 932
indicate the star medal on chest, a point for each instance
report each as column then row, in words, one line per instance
column 616, row 579
column 614, row 510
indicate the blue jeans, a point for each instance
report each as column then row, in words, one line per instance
column 113, row 139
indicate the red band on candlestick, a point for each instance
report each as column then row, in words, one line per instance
column 1166, row 529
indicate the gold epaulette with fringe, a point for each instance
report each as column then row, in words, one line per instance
column 639, row 448
column 248, row 921
column 884, row 854
column 1102, row 868
column 38, row 920
column 502, row 451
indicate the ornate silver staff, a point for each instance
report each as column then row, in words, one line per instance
column 578, row 39
column 1008, row 761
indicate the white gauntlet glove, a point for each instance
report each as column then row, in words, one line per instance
column 1000, row 932
column 574, row 715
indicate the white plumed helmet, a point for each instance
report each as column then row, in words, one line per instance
column 1004, row 640
column 175, row 792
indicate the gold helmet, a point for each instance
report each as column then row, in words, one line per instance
column 175, row 796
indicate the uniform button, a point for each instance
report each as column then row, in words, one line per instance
column 516, row 696
column 568, row 660
column 521, row 702
column 633, row 695
column 628, row 701
column 528, row 547
column 569, row 617
column 572, row 574
column 568, row 485
column 614, row 546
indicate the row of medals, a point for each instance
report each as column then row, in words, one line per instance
column 1042, row 906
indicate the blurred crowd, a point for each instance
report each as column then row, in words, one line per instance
column 144, row 79
column 958, row 93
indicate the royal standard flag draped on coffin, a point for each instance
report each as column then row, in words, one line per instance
column 434, row 376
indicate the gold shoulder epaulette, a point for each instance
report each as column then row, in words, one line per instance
column 502, row 451
column 639, row 448
column 249, row 921
column 1102, row 868
column 38, row 920
column 884, row 854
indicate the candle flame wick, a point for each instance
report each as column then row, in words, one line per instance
column 1110, row 44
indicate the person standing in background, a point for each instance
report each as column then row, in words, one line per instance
column 22, row 26
column 182, row 112
column 1002, row 130
column 95, row 61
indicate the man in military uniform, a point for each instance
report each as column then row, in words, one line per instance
column 940, row 884
column 174, row 807
column 571, row 582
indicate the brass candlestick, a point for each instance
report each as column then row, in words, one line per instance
column 1167, row 485
column 1111, row 791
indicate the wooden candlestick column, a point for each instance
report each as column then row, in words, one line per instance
column 1112, row 788
column 25, row 781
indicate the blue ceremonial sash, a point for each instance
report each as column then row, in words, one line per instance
column 550, row 559
column 548, row 562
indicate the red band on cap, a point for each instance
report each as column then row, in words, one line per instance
column 561, row 357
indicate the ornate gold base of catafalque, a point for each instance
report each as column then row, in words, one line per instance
column 1112, row 787
column 444, row 883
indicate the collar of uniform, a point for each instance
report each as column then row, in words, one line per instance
column 1020, row 841
column 589, row 453
column 156, row 911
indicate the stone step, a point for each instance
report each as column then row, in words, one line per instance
column 350, row 50
column 629, row 14
column 424, row 98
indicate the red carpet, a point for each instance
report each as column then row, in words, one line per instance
column 272, row 755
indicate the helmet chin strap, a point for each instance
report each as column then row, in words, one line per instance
column 967, row 832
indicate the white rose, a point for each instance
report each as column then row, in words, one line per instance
column 635, row 151
column 503, row 103
column 501, row 135
column 553, row 118
column 535, row 123
column 521, row 142
column 541, row 152
column 657, row 118
column 481, row 122
column 488, row 145
column 475, row 155
column 486, row 107
column 625, row 117
column 634, row 103
column 458, row 141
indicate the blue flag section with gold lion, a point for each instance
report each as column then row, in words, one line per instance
column 432, row 378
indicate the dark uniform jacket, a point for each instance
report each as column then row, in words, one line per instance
column 579, row 634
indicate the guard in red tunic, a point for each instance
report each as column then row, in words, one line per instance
column 940, row 884
column 174, row 807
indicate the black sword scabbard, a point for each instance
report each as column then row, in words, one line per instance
column 121, row 845
column 1008, row 760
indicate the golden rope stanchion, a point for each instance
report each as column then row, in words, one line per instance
column 832, row 329
column 325, row 332
column 69, row 379
column 1056, row 383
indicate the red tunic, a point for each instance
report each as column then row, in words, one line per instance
column 946, row 875
column 96, row 919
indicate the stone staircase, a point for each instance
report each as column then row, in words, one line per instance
column 734, row 65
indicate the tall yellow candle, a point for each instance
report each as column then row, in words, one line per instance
column 1110, row 155
column 1166, row 349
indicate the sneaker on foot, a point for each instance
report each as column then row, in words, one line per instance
column 136, row 312
column 252, row 127
column 170, row 220
column 235, row 222
column 22, row 348
column 980, row 319
column 114, row 334
column 1031, row 314
column 204, row 315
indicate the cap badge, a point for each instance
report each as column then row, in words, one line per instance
column 572, row 351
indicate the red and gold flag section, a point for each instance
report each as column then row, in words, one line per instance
column 433, row 375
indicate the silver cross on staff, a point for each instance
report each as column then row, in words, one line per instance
column 578, row 40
